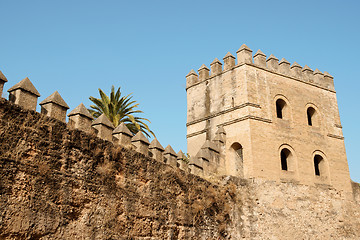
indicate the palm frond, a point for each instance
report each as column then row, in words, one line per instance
column 120, row 109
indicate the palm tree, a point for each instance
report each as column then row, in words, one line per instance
column 119, row 109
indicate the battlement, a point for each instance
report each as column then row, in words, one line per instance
column 271, row 64
column 54, row 106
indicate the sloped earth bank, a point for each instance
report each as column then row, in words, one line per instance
column 62, row 184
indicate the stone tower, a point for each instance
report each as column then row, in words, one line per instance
column 268, row 120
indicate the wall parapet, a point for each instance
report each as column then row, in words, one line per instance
column 244, row 57
column 25, row 95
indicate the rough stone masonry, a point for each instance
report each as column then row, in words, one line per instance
column 58, row 183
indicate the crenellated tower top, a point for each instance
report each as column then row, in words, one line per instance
column 272, row 64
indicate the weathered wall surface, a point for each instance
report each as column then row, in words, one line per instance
column 61, row 184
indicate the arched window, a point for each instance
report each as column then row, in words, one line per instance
column 237, row 160
column 318, row 165
column 280, row 106
column 238, row 149
column 310, row 115
column 285, row 156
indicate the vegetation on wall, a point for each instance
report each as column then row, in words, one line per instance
column 120, row 109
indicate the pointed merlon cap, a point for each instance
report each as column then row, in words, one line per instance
column 55, row 98
column 195, row 161
column 103, row 120
column 283, row 60
column 203, row 153
column 26, row 85
column 220, row 130
column 272, row 57
column 306, row 68
column 203, row 67
column 210, row 145
column 215, row 61
column 180, row 155
column 140, row 137
column 326, row 74
column 155, row 144
column 317, row 71
column 122, row 128
column 295, row 65
column 243, row 47
column 170, row 150
column 192, row 72
column 2, row 77
column 228, row 55
column 259, row 52
column 80, row 110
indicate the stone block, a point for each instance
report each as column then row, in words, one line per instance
column 216, row 67
column 318, row 77
column 272, row 63
column 141, row 143
column 308, row 74
column 170, row 156
column 196, row 166
column 329, row 81
column 54, row 106
column 24, row 94
column 284, row 67
column 122, row 134
column 103, row 127
column 80, row 118
column 229, row 61
column 203, row 72
column 260, row 59
column 220, row 136
column 181, row 161
column 157, row 150
column 191, row 78
column 244, row 54
column 295, row 70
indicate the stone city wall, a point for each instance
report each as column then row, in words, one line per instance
column 58, row 183
column 25, row 95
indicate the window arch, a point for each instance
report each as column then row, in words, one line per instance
column 317, row 164
column 238, row 149
column 285, row 157
column 236, row 160
column 320, row 170
column 280, row 108
column 311, row 114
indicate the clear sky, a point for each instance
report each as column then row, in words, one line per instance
column 148, row 47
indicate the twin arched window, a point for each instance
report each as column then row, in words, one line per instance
column 288, row 163
column 281, row 112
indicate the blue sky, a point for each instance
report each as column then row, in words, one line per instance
column 147, row 48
